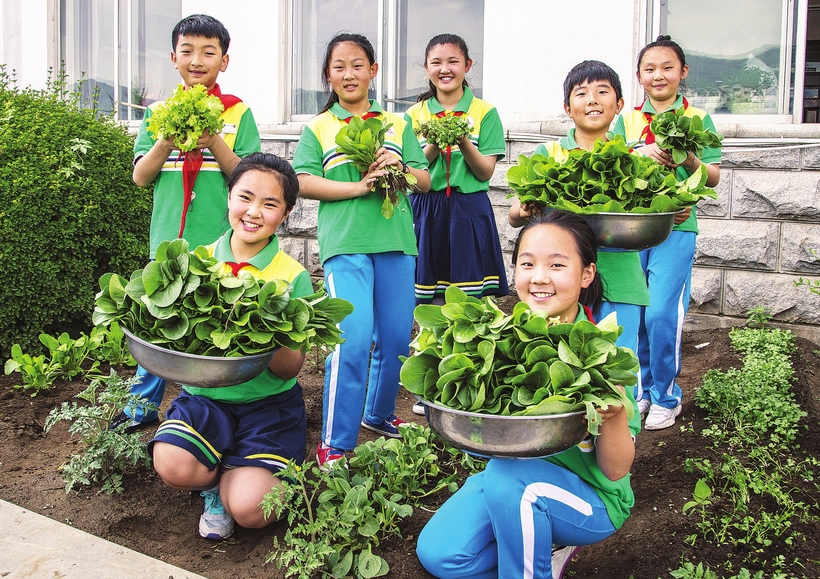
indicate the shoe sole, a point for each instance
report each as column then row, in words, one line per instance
column 419, row 412
column 141, row 426
column 667, row 423
column 380, row 431
column 215, row 536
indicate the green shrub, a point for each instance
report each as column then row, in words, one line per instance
column 69, row 211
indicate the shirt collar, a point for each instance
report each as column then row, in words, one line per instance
column 462, row 106
column 339, row 111
column 569, row 143
column 647, row 107
column 222, row 251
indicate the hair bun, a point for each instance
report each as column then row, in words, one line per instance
column 663, row 37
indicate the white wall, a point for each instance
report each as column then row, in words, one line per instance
column 530, row 46
column 253, row 71
column 27, row 28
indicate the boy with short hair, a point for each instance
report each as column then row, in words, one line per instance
column 190, row 200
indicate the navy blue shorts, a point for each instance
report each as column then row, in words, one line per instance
column 267, row 433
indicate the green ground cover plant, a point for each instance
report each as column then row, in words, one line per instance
column 69, row 210
column 753, row 493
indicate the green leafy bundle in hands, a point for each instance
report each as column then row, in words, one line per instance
column 359, row 140
column 182, row 303
column 607, row 179
column 444, row 131
column 470, row 356
column 186, row 116
column 676, row 133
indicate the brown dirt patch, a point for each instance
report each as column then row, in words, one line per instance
column 153, row 519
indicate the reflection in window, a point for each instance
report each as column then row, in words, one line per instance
column 124, row 44
column 408, row 26
column 316, row 22
column 462, row 17
column 734, row 52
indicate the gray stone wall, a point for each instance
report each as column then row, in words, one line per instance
column 755, row 240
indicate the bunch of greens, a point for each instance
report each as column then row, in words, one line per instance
column 182, row 303
column 676, row 133
column 186, row 116
column 470, row 356
column 359, row 140
column 607, row 179
column 444, row 131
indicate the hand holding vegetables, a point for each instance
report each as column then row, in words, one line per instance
column 361, row 140
column 180, row 302
column 470, row 356
column 678, row 134
column 444, row 131
column 186, row 116
column 607, row 179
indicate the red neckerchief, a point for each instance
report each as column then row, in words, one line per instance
column 448, row 150
column 588, row 312
column 647, row 132
column 235, row 267
column 192, row 160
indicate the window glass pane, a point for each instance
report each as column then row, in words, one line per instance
column 734, row 52
column 316, row 22
column 87, row 48
column 415, row 29
column 147, row 64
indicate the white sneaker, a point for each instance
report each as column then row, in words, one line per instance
column 643, row 405
column 418, row 408
column 659, row 417
column 560, row 557
column 214, row 523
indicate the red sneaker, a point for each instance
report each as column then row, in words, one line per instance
column 327, row 457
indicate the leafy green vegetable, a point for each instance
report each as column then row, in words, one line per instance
column 180, row 302
column 444, row 131
column 359, row 140
column 607, row 179
column 676, row 133
column 186, row 116
column 470, row 356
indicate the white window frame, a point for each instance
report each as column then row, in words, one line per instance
column 792, row 32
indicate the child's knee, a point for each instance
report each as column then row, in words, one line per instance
column 179, row 468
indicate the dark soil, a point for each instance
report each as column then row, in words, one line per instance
column 153, row 519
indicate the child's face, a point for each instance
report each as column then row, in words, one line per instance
column 660, row 73
column 549, row 274
column 199, row 60
column 446, row 67
column 350, row 74
column 256, row 209
column 593, row 105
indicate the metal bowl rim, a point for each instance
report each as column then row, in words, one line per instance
column 497, row 416
column 632, row 214
column 162, row 350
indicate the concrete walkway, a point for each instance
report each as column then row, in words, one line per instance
column 34, row 546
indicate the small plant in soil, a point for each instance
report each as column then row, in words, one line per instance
column 108, row 453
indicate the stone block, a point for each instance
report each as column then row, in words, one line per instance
column 278, row 148
column 718, row 207
column 737, row 244
column 761, row 158
column 746, row 290
column 517, row 148
column 706, row 290
column 799, row 246
column 776, row 195
column 811, row 157
column 499, row 178
column 296, row 247
column 303, row 220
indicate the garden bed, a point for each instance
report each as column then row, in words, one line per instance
column 155, row 520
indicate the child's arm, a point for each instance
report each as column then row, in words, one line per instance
column 315, row 187
column 482, row 166
column 147, row 167
column 691, row 163
column 614, row 446
column 223, row 154
column 286, row 363
column 519, row 214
